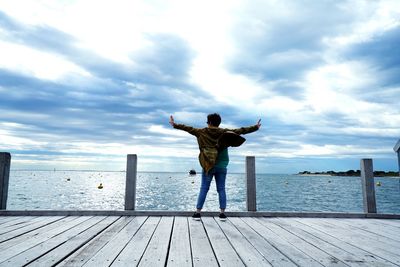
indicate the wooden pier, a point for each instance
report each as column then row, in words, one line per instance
column 181, row 241
column 172, row 238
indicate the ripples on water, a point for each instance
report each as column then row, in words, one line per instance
column 77, row 190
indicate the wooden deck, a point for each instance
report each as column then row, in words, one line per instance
column 181, row 241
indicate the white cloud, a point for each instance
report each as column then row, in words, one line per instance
column 283, row 61
column 39, row 64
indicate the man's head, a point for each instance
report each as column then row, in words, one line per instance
column 214, row 119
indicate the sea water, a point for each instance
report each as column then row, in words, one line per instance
column 78, row 190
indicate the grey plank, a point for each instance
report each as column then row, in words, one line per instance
column 363, row 256
column 385, row 230
column 395, row 223
column 336, row 252
column 5, row 219
column 82, row 255
column 157, row 250
column 42, row 248
column 308, row 248
column 387, row 243
column 244, row 249
column 61, row 252
column 134, row 249
column 354, row 239
column 273, row 255
column 202, row 251
column 10, row 225
column 286, row 248
column 12, row 239
column 180, row 251
column 225, row 253
column 29, row 243
column 108, row 253
column 30, row 220
column 26, row 228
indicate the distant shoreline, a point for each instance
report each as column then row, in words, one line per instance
column 313, row 174
column 350, row 173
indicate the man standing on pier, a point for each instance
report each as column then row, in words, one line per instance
column 213, row 144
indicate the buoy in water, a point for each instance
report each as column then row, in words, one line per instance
column 100, row 186
column 68, row 179
column 378, row 184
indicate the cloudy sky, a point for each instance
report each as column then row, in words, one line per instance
column 83, row 83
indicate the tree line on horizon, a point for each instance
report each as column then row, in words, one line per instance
column 350, row 173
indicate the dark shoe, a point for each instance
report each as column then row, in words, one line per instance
column 196, row 216
column 222, row 217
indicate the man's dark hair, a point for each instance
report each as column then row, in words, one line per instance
column 214, row 119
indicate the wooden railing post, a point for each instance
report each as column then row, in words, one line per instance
column 398, row 160
column 396, row 149
column 251, row 183
column 130, row 184
column 5, row 162
column 368, row 186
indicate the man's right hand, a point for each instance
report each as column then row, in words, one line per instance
column 171, row 120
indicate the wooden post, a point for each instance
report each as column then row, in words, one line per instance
column 5, row 162
column 398, row 159
column 396, row 149
column 251, row 183
column 368, row 186
column 130, row 184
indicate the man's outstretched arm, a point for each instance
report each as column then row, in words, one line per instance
column 183, row 127
column 246, row 130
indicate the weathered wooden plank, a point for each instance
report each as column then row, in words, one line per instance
column 15, row 223
column 244, row 249
column 225, row 253
column 26, row 228
column 364, row 257
column 157, row 250
column 180, row 251
column 394, row 223
column 12, row 240
column 202, row 251
column 29, row 243
column 61, row 252
column 273, row 255
column 23, row 225
column 387, row 231
column 355, row 239
column 281, row 244
column 5, row 219
column 82, row 255
column 387, row 244
column 134, row 249
column 42, row 248
column 307, row 248
column 334, row 251
column 108, row 253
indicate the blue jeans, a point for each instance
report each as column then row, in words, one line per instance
column 220, row 177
